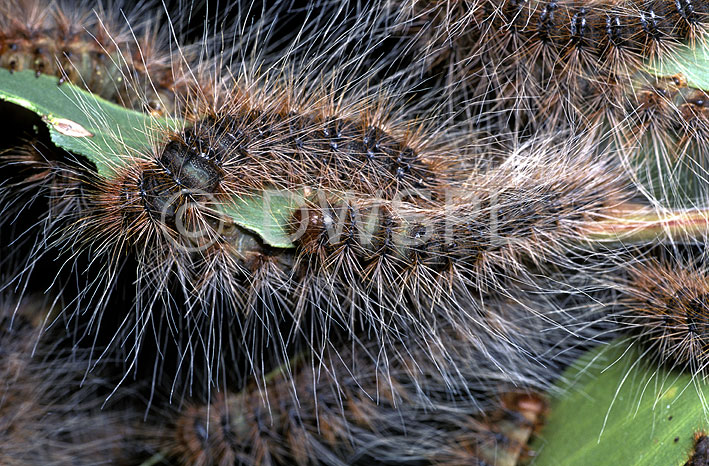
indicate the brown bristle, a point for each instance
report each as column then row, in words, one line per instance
column 668, row 304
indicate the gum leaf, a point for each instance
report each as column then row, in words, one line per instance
column 677, row 179
column 104, row 133
column 619, row 409
column 266, row 214
column 81, row 122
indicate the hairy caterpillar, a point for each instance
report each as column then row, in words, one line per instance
column 359, row 410
column 497, row 438
column 665, row 304
column 392, row 285
column 548, row 58
column 594, row 67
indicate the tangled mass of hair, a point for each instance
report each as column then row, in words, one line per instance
column 359, row 233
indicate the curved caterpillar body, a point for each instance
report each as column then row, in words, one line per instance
column 397, row 262
column 362, row 410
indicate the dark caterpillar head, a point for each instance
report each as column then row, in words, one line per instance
column 192, row 167
column 185, row 174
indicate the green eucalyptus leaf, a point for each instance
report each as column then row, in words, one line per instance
column 618, row 408
column 105, row 133
column 81, row 122
column 267, row 214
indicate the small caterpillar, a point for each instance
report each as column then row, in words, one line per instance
column 552, row 57
column 666, row 304
column 125, row 61
column 663, row 130
column 527, row 66
column 491, row 440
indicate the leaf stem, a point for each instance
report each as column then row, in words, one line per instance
column 635, row 224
